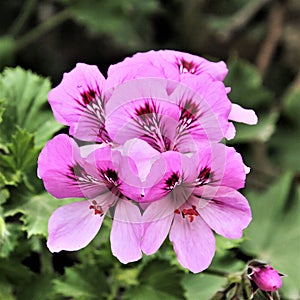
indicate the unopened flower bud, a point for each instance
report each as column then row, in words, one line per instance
column 264, row 276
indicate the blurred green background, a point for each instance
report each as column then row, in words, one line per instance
column 260, row 42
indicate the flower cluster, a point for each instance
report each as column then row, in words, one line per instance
column 146, row 148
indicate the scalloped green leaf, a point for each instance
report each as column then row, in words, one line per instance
column 82, row 282
column 246, row 85
column 202, row 286
column 25, row 105
column 36, row 211
column 158, row 280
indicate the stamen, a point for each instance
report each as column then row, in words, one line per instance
column 190, row 213
column 97, row 208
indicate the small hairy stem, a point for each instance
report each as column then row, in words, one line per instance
column 219, row 273
column 41, row 29
column 22, row 18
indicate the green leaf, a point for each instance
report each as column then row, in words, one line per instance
column 291, row 106
column 25, row 95
column 158, row 280
column 6, row 291
column 9, row 235
column 82, row 282
column 36, row 211
column 202, row 286
column 246, row 85
column 284, row 145
column 261, row 132
column 127, row 21
column 21, row 151
column 273, row 236
column 7, row 51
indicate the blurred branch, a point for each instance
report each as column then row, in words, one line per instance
column 242, row 18
column 43, row 28
column 269, row 45
column 22, row 18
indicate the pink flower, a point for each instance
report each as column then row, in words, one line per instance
column 199, row 196
column 105, row 178
column 168, row 115
column 181, row 67
column 79, row 102
column 264, row 277
column 156, row 165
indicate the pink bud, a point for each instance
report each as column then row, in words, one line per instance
column 266, row 278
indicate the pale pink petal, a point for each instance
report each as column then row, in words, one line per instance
column 157, row 220
column 242, row 115
column 56, row 166
column 193, row 242
column 126, row 232
column 227, row 213
column 72, row 227
column 230, row 132
column 79, row 99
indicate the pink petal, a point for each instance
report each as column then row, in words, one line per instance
column 55, row 165
column 205, row 106
column 198, row 65
column 126, row 232
column 193, row 242
column 230, row 132
column 141, row 65
column 227, row 213
column 157, row 220
column 72, row 227
column 79, row 99
column 142, row 109
column 242, row 115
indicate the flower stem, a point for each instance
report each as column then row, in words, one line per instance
column 41, row 29
column 217, row 272
column 22, row 18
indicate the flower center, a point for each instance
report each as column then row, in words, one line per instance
column 172, row 182
column 111, row 180
column 189, row 213
column 204, row 177
column 149, row 120
column 186, row 66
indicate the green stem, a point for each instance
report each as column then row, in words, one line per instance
column 217, row 272
column 22, row 18
column 41, row 29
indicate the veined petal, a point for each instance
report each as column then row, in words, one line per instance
column 204, row 109
column 242, row 115
column 225, row 210
column 223, row 165
column 142, row 109
column 194, row 243
column 192, row 65
column 56, row 165
column 126, row 232
column 79, row 99
column 72, row 227
column 157, row 220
